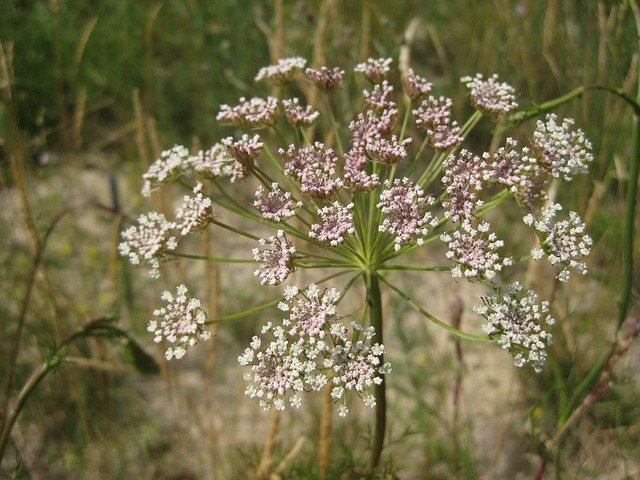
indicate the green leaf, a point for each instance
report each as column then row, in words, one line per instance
column 140, row 359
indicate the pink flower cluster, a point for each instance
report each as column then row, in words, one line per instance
column 433, row 117
column 275, row 205
column 325, row 78
column 336, row 222
column 254, row 113
column 490, row 96
column 276, row 259
column 311, row 349
column 406, row 212
column 148, row 242
column 314, row 167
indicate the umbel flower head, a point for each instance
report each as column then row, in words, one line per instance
column 349, row 206
column 181, row 323
column 312, row 348
column 516, row 321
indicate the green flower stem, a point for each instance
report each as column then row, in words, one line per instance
column 551, row 105
column 471, row 123
column 334, row 124
column 413, row 268
column 493, row 202
column 407, row 115
column 36, row 377
column 209, row 259
column 520, row 116
column 438, row 322
column 263, row 177
column 374, row 300
column 632, row 189
column 307, row 253
column 234, row 206
column 244, row 313
column 630, row 215
column 339, row 274
column 311, row 266
column 416, row 158
column 235, row 230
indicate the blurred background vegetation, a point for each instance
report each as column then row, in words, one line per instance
column 93, row 91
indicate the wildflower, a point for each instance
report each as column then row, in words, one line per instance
column 336, row 223
column 298, row 116
column 433, row 117
column 254, row 113
column 181, row 322
column 355, row 171
column 516, row 170
column 244, row 150
column 490, row 96
column 277, row 371
column 474, row 250
column 309, row 350
column 149, row 241
column 563, row 152
column 563, row 242
column 370, row 125
column 195, row 212
column 374, row 70
column 516, row 321
column 283, row 72
column 380, row 98
column 387, row 151
column 405, row 209
column 462, row 179
column 277, row 257
column 169, row 167
column 314, row 167
column 212, row 163
column 310, row 315
column 276, row 205
column 325, row 78
column 415, row 86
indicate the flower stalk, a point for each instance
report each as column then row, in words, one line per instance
column 374, row 302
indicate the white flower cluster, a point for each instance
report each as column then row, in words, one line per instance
column 517, row 321
column 283, row 72
column 276, row 205
column 474, row 250
column 336, row 223
column 195, row 213
column 565, row 152
column 490, row 96
column 309, row 350
column 277, row 259
column 374, row 69
column 564, row 242
column 181, row 322
column 147, row 242
column 177, row 161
